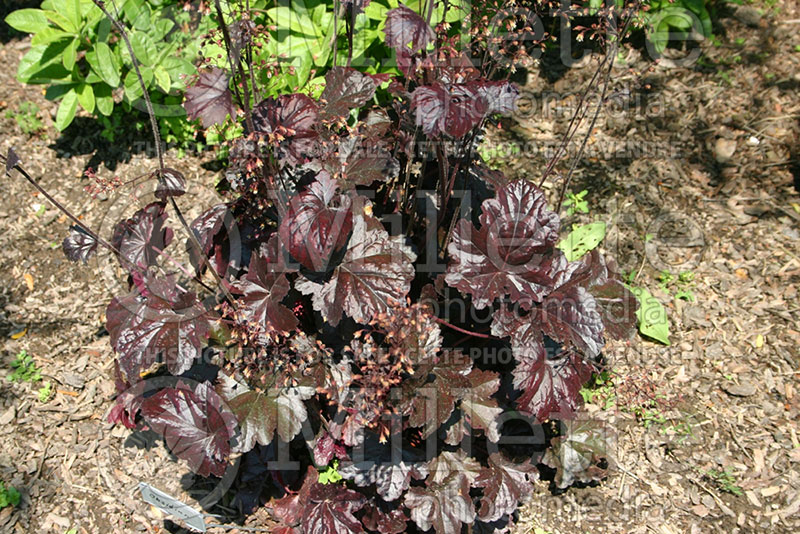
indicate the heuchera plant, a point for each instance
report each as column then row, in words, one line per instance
column 362, row 259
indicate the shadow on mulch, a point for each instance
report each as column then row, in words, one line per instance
column 85, row 136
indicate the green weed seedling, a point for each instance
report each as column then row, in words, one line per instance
column 26, row 117
column 45, row 392
column 725, row 481
column 600, row 391
column 9, row 496
column 577, row 203
column 25, row 369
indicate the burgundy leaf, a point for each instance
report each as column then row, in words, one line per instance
column 432, row 401
column 317, row 224
column 499, row 97
column 615, row 303
column 453, row 110
column 326, row 448
column 444, row 506
column 171, row 183
column 261, row 413
column 479, row 409
column 141, row 238
column 388, row 467
column 262, row 291
column 512, row 254
column 550, row 383
column 290, row 121
column 580, row 453
column 407, row 31
column 374, row 276
column 361, row 161
column 142, row 330
column 194, row 424
column 291, row 509
column 569, row 315
column 12, row 160
column 79, row 245
column 345, row 89
column 330, row 510
column 452, row 464
column 214, row 243
column 392, row 522
column 504, row 485
column 209, row 99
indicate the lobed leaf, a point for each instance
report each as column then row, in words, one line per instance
column 209, row 98
column 194, row 424
column 374, row 276
column 79, row 245
column 512, row 253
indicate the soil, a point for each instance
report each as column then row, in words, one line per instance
column 694, row 169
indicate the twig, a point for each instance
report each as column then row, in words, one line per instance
column 153, row 124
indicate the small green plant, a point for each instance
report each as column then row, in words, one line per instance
column 600, row 390
column 577, row 203
column 725, row 481
column 9, row 496
column 45, row 392
column 330, row 475
column 25, row 369
column 26, row 117
column 681, row 284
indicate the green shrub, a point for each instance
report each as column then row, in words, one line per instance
column 75, row 53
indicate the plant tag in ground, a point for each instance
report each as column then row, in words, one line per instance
column 173, row 507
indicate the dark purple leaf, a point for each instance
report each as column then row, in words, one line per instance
column 445, row 506
column 194, row 424
column 326, row 448
column 432, row 400
column 570, row 315
column 345, row 89
column 291, row 509
column 407, row 31
column 290, row 121
column 262, row 290
column 374, row 276
column 141, row 238
column 580, row 453
column 171, row 183
column 550, row 383
column 512, row 254
column 209, row 99
column 391, row 522
column 479, row 409
column 455, row 110
column 79, row 245
column 128, row 402
column 504, row 485
column 261, row 413
column 12, row 160
column 142, row 330
column 330, row 510
column 361, row 161
column 386, row 466
column 499, row 97
column 615, row 303
column 317, row 224
column 214, row 242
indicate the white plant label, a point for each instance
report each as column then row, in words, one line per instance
column 172, row 506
